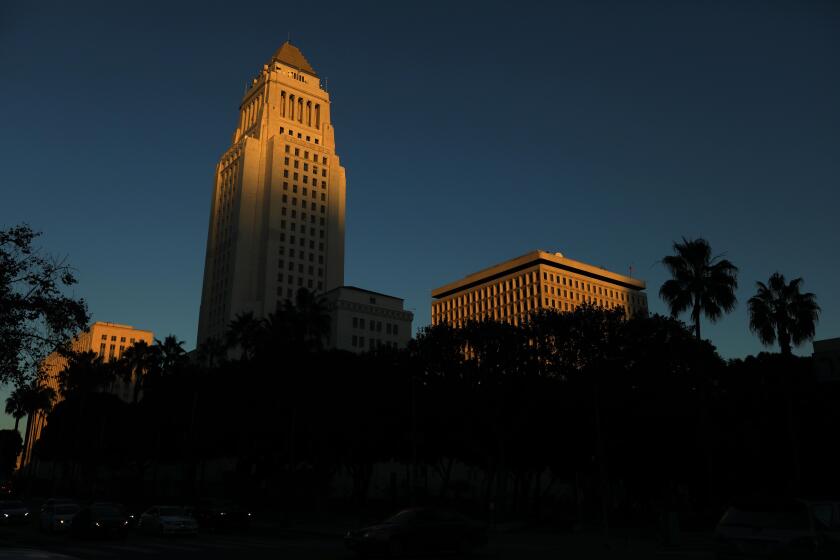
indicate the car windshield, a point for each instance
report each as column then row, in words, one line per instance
column 105, row 511
column 415, row 516
column 11, row 505
column 66, row 509
column 172, row 511
column 405, row 516
column 779, row 517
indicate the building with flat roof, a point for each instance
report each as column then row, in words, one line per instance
column 108, row 341
column 362, row 320
column 827, row 359
column 511, row 290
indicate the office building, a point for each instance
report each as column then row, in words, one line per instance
column 511, row 290
column 362, row 320
column 277, row 210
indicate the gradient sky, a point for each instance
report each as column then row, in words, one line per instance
column 471, row 133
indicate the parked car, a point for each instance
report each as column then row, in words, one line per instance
column 221, row 515
column 418, row 530
column 99, row 520
column 827, row 516
column 770, row 528
column 168, row 520
column 13, row 512
column 129, row 516
column 57, row 518
column 57, row 501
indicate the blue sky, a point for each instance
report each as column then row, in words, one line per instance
column 471, row 133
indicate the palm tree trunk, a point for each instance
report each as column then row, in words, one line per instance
column 784, row 344
column 696, row 316
column 17, row 422
column 603, row 472
column 25, row 458
column 787, row 372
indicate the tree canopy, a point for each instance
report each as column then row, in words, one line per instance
column 36, row 317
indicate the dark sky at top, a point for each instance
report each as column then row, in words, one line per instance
column 471, row 134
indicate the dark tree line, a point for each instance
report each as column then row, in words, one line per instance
column 584, row 412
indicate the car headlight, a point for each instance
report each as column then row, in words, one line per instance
column 6, row 515
column 61, row 521
column 125, row 522
column 222, row 513
column 97, row 524
column 25, row 514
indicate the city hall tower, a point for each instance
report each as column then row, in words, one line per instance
column 277, row 212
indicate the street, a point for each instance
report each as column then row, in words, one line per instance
column 24, row 542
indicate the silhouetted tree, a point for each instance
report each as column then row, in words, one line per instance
column 35, row 317
column 139, row 362
column 211, row 353
column 244, row 332
column 700, row 283
column 84, row 373
column 10, row 446
column 172, row 355
column 779, row 311
column 36, row 398
column 15, row 405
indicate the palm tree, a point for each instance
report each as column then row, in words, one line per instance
column 312, row 318
column 244, row 332
column 15, row 405
column 139, row 360
column 212, row 352
column 700, row 283
column 86, row 372
column 780, row 312
column 172, row 354
column 35, row 398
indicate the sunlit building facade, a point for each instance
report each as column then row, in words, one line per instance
column 277, row 211
column 362, row 320
column 109, row 341
column 511, row 290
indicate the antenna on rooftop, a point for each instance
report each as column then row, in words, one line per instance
column 288, row 36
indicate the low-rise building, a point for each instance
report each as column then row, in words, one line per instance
column 827, row 359
column 511, row 290
column 108, row 341
column 362, row 320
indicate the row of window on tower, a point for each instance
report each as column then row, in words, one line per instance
column 375, row 326
column 308, row 283
column 300, row 135
column 357, row 341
